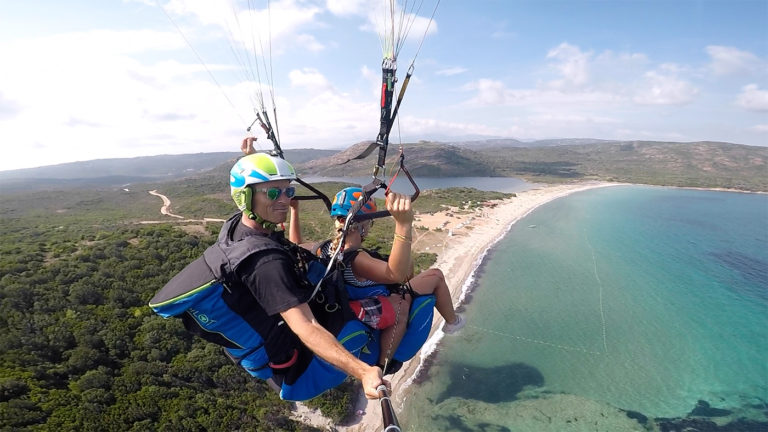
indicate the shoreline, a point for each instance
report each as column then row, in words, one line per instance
column 469, row 244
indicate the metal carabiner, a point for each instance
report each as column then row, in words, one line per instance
column 320, row 297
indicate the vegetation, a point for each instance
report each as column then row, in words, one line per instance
column 701, row 164
column 431, row 201
column 337, row 404
column 80, row 349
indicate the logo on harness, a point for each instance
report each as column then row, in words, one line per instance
column 202, row 318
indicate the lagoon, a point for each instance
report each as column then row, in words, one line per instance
column 640, row 298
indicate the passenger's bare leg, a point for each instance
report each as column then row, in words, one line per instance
column 432, row 281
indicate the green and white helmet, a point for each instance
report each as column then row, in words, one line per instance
column 253, row 169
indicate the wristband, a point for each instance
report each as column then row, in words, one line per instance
column 402, row 238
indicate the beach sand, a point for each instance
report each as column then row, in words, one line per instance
column 460, row 244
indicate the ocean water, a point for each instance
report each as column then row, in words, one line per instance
column 638, row 298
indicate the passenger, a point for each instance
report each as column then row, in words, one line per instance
column 373, row 282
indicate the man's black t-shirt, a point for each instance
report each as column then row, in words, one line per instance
column 269, row 286
column 270, row 276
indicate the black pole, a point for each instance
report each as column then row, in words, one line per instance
column 387, row 412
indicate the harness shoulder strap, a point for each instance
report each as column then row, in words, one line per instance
column 225, row 255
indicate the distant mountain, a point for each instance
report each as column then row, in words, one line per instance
column 694, row 164
column 564, row 141
column 511, row 142
column 496, row 142
column 145, row 166
column 425, row 159
column 120, row 171
column 697, row 164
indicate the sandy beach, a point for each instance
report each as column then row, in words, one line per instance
column 460, row 238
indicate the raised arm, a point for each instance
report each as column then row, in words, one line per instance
column 247, row 145
column 294, row 227
column 324, row 344
column 399, row 267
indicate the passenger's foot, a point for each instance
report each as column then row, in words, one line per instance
column 451, row 328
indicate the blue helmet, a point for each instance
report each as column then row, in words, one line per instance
column 346, row 198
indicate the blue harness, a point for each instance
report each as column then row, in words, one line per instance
column 420, row 314
column 202, row 296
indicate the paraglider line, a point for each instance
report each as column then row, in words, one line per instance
column 200, row 59
column 600, row 290
column 536, row 341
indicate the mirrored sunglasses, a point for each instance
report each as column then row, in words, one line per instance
column 274, row 193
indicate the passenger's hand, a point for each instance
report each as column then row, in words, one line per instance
column 294, row 203
column 247, row 145
column 372, row 379
column 399, row 206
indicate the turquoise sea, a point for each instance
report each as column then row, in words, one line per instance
column 632, row 298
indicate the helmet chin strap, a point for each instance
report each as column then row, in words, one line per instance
column 267, row 225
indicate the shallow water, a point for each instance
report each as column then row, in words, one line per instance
column 644, row 299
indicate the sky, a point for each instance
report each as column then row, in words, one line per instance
column 94, row 79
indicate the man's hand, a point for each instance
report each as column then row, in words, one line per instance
column 371, row 380
column 322, row 343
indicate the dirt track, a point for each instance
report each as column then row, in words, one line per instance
column 165, row 210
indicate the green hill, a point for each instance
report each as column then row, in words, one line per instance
column 697, row 164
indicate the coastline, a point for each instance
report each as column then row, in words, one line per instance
column 461, row 246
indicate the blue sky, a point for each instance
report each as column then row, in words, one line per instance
column 86, row 80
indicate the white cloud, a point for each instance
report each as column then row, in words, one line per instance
column 309, row 78
column 752, row 98
column 8, row 108
column 663, row 87
column 404, row 25
column 565, row 119
column 592, row 76
column 101, row 101
column 328, row 118
column 456, row 70
column 373, row 78
column 729, row 60
column 761, row 128
column 490, row 92
column 347, row 7
column 424, row 127
column 573, row 65
column 309, row 42
column 282, row 23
